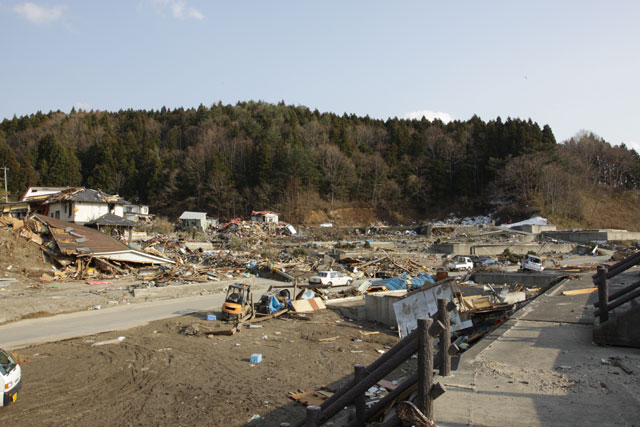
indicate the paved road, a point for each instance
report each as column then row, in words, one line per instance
column 65, row 326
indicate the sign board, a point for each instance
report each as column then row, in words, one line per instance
column 424, row 304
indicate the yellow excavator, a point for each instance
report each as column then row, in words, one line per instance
column 238, row 303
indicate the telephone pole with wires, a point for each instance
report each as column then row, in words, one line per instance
column 6, row 194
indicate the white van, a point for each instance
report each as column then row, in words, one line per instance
column 532, row 263
column 10, row 376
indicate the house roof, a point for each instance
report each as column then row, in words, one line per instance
column 42, row 193
column 74, row 239
column 113, row 220
column 193, row 215
column 254, row 213
column 85, row 195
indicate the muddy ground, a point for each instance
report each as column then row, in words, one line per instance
column 159, row 376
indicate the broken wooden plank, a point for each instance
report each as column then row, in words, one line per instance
column 615, row 361
column 308, row 305
column 268, row 316
column 579, row 291
column 310, row 398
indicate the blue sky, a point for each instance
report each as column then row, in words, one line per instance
column 572, row 64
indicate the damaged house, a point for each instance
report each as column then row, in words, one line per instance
column 72, row 243
column 34, row 194
column 198, row 220
column 265, row 216
column 138, row 213
column 81, row 205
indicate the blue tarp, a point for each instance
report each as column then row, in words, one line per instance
column 398, row 283
column 420, row 280
column 275, row 305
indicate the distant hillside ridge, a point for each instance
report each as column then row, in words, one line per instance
column 230, row 159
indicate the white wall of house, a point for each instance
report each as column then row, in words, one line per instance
column 270, row 217
column 61, row 210
column 81, row 213
column 193, row 223
column 136, row 209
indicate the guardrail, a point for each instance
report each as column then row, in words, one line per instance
column 421, row 340
column 607, row 302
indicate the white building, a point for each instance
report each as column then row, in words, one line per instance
column 189, row 220
column 265, row 216
column 81, row 205
column 137, row 213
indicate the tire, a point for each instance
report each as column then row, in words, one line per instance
column 330, row 284
column 349, row 282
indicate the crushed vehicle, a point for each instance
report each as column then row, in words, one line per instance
column 10, row 378
column 460, row 263
column 532, row 263
column 330, row 278
column 485, row 262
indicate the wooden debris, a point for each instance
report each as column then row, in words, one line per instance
column 579, row 291
column 410, row 415
column 616, row 361
column 308, row 305
column 311, row 398
column 387, row 384
column 46, row 278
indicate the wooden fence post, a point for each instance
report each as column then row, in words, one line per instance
column 445, row 338
column 425, row 367
column 313, row 416
column 603, row 294
column 361, row 401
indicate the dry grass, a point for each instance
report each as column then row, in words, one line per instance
column 605, row 209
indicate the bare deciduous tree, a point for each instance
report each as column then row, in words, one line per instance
column 337, row 169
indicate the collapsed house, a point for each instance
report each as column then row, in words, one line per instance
column 75, row 248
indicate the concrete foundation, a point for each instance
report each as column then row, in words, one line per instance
column 535, row 229
column 379, row 308
column 497, row 249
column 586, row 236
column 621, row 330
column 528, row 279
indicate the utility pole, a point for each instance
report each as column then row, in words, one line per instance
column 6, row 194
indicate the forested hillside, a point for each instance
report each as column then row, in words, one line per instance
column 230, row 159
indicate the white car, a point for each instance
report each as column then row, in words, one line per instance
column 330, row 278
column 532, row 263
column 10, row 376
column 460, row 263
